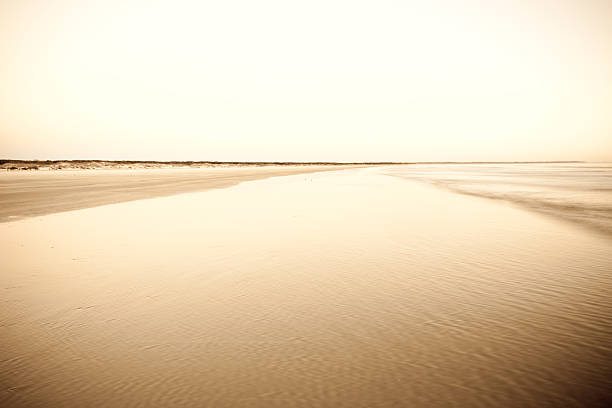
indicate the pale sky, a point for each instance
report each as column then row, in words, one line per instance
column 304, row 81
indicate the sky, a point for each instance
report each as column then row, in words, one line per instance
column 306, row 81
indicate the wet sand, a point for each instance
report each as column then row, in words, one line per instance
column 29, row 194
column 333, row 289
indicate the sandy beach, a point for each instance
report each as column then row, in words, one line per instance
column 28, row 194
column 347, row 288
column 323, row 204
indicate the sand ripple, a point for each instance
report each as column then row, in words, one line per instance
column 295, row 292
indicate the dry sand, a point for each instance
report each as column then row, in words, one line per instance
column 335, row 289
column 27, row 194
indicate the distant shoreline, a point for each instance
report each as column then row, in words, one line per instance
column 16, row 165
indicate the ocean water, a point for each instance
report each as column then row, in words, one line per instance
column 336, row 289
column 578, row 192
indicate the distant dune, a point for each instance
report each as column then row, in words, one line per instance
column 13, row 165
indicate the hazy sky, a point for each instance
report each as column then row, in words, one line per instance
column 310, row 80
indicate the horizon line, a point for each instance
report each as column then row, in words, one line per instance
column 126, row 161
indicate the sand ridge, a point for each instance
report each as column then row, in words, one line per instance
column 29, row 194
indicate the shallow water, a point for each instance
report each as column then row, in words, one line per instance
column 341, row 289
column 579, row 192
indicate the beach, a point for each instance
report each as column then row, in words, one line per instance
column 34, row 193
column 280, row 287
